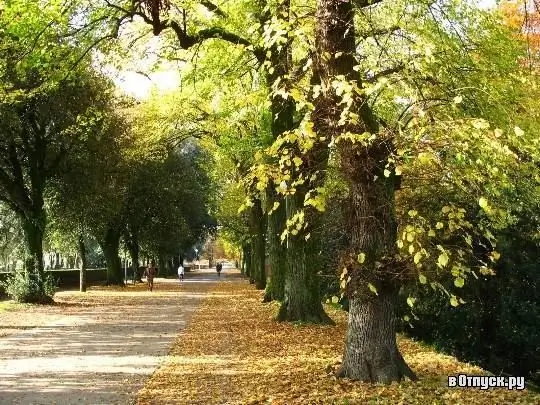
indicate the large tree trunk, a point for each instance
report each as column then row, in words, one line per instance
column 258, row 235
column 277, row 255
column 249, row 263
column 371, row 353
column 282, row 121
column 245, row 254
column 33, row 231
column 82, row 254
column 110, row 247
column 302, row 290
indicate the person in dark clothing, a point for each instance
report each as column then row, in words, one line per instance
column 219, row 266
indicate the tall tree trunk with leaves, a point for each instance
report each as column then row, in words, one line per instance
column 82, row 255
column 282, row 110
column 371, row 352
column 111, row 247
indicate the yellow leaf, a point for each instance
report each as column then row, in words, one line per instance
column 422, row 278
column 399, row 170
column 335, row 299
column 443, row 259
column 483, row 203
column 361, row 258
column 417, row 257
column 459, row 282
column 386, row 173
column 431, row 233
column 297, row 161
column 439, row 225
column 453, row 301
column 373, row 289
column 496, row 255
column 518, row 131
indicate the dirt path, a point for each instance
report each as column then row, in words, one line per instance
column 98, row 347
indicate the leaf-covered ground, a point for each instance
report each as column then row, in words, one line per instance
column 233, row 352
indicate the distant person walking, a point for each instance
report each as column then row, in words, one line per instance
column 219, row 266
column 181, row 272
column 150, row 273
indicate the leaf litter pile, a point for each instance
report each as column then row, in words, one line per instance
column 233, row 352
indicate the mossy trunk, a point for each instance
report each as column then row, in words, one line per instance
column 302, row 300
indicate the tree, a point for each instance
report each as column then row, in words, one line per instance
column 46, row 110
column 369, row 150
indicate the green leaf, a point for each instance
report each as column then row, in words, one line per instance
column 361, row 258
column 422, row 278
column 453, row 301
column 411, row 301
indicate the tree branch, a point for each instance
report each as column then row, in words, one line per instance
column 213, row 8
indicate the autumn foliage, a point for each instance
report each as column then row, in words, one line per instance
column 234, row 352
column 524, row 17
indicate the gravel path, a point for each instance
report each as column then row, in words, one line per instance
column 104, row 348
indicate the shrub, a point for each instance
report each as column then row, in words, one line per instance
column 24, row 287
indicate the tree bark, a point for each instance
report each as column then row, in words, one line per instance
column 34, row 228
column 82, row 254
column 302, row 300
column 371, row 353
column 249, row 263
column 110, row 247
column 258, row 235
column 133, row 247
column 277, row 255
column 282, row 110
